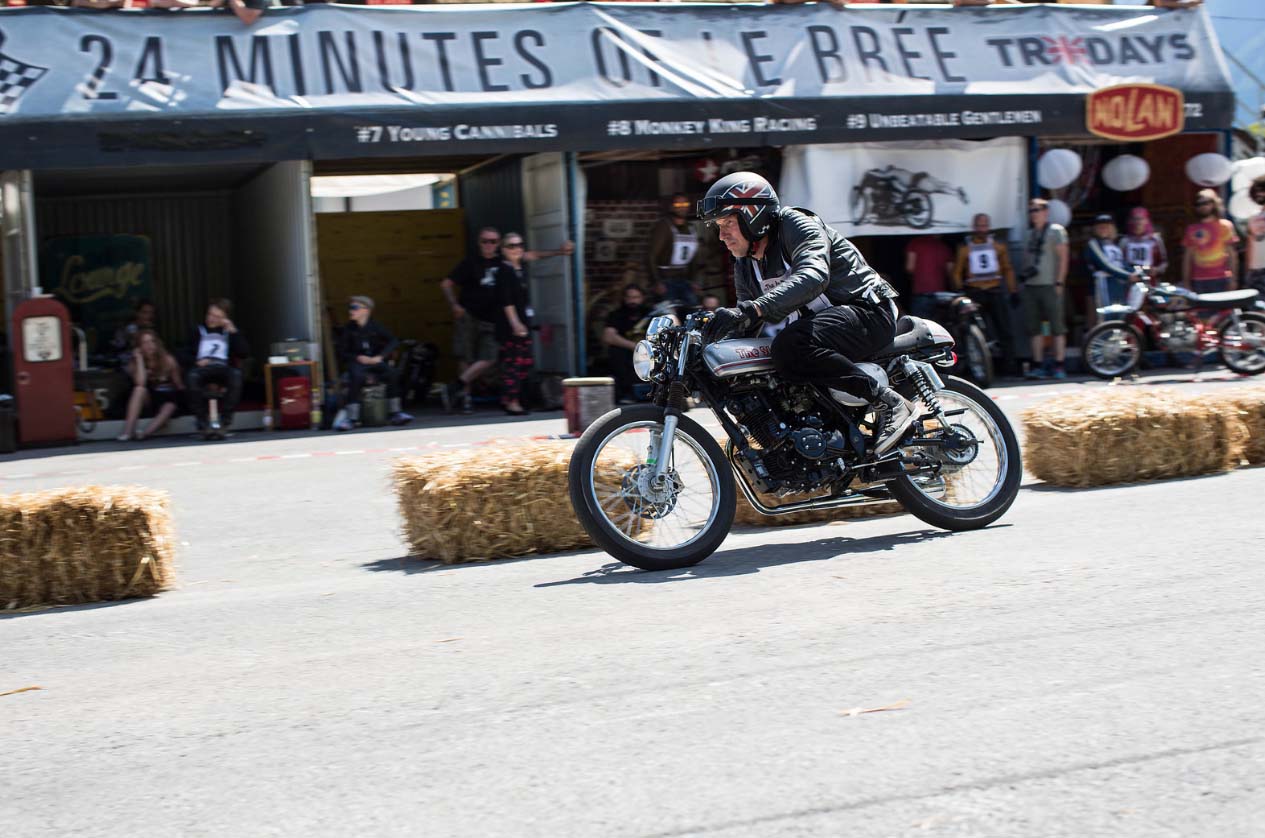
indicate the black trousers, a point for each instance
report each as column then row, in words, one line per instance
column 358, row 374
column 230, row 378
column 994, row 305
column 822, row 348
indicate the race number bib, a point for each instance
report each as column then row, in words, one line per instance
column 984, row 262
column 683, row 249
column 1139, row 253
column 213, row 345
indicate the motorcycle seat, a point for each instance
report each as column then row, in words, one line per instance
column 1226, row 299
column 911, row 333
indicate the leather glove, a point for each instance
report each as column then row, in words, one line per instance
column 727, row 320
column 876, row 290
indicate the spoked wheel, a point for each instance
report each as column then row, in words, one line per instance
column 860, row 204
column 977, row 357
column 1243, row 346
column 917, row 209
column 1112, row 349
column 651, row 519
column 980, row 465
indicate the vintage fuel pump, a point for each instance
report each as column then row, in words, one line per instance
column 43, row 372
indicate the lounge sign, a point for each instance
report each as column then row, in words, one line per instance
column 1135, row 112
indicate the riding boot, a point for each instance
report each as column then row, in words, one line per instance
column 896, row 414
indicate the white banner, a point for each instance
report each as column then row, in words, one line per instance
column 906, row 188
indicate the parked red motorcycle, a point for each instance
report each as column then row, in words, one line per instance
column 1172, row 319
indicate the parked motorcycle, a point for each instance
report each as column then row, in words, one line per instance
column 657, row 491
column 1172, row 319
column 965, row 321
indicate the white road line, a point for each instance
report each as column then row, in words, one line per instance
column 242, row 460
column 132, row 468
column 344, row 453
column 188, row 463
column 294, row 456
column 18, row 476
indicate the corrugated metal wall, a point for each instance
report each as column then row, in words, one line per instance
column 492, row 196
column 191, row 245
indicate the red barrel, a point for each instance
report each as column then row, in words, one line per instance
column 584, row 400
column 294, row 394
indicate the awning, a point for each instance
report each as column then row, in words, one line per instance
column 94, row 88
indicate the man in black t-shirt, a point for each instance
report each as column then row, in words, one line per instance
column 624, row 327
column 470, row 289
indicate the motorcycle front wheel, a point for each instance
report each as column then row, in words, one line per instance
column 1112, row 349
column 980, row 472
column 652, row 521
column 1243, row 346
column 917, row 209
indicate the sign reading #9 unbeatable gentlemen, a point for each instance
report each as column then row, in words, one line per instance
column 323, row 81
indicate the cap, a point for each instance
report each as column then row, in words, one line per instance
column 367, row 302
column 1104, row 218
column 1038, row 204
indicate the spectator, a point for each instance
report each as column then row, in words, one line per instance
column 144, row 315
column 247, row 11
column 1105, row 259
column 470, row 289
column 1143, row 247
column 671, row 254
column 217, row 345
column 624, row 327
column 710, row 302
column 1045, row 278
column 513, row 324
column 983, row 268
column 156, row 381
column 1255, row 256
column 1210, row 262
column 927, row 261
column 365, row 347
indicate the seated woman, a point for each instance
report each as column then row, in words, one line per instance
column 156, row 381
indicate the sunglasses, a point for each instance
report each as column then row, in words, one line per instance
column 512, row 245
column 1035, row 209
column 355, row 307
column 489, row 241
column 1205, row 203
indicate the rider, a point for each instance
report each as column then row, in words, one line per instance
column 791, row 267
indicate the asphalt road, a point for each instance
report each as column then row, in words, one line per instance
column 1090, row 665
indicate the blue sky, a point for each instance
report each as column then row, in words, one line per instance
column 1240, row 26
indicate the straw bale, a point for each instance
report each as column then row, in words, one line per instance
column 1123, row 436
column 69, row 546
column 490, row 502
column 1249, row 405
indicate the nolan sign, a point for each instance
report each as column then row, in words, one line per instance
column 1135, row 112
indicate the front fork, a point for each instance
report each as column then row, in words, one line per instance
column 659, row 454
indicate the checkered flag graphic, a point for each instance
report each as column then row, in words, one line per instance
column 16, row 77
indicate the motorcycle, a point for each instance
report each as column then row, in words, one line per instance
column 965, row 321
column 655, row 490
column 1172, row 319
column 885, row 200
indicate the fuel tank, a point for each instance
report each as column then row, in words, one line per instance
column 740, row 356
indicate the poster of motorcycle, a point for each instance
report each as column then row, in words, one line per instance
column 907, row 188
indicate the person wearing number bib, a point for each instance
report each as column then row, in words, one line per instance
column 216, row 345
column 672, row 253
column 793, row 271
column 1106, row 262
column 982, row 269
column 1143, row 247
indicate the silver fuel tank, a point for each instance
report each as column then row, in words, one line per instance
column 747, row 355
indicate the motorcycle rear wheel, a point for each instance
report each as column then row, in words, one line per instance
column 1112, row 349
column 977, row 360
column 860, row 204
column 1252, row 360
column 653, row 528
column 949, row 502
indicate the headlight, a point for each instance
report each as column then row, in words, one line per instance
column 643, row 360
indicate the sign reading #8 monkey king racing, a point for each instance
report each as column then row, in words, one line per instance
column 1135, row 112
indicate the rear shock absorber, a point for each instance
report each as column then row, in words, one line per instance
column 921, row 376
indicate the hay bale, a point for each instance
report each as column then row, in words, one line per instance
column 70, row 546
column 1249, row 405
column 1124, row 436
column 491, row 502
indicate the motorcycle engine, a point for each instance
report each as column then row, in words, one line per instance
column 1178, row 333
column 797, row 453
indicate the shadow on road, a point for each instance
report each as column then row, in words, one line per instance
column 752, row 559
column 1050, row 488
column 41, row 610
column 413, row 564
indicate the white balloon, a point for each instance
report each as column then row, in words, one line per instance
column 1246, row 171
column 1058, row 167
column 1209, row 169
column 1060, row 213
column 1126, row 173
column 1242, row 206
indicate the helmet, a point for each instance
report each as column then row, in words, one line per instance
column 746, row 195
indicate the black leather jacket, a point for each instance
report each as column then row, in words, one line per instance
column 811, row 258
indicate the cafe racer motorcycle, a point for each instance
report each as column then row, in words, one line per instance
column 657, row 491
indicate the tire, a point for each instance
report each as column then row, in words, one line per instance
column 977, row 359
column 918, row 211
column 860, row 204
column 601, row 529
column 1257, row 322
column 948, row 517
column 1099, row 365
